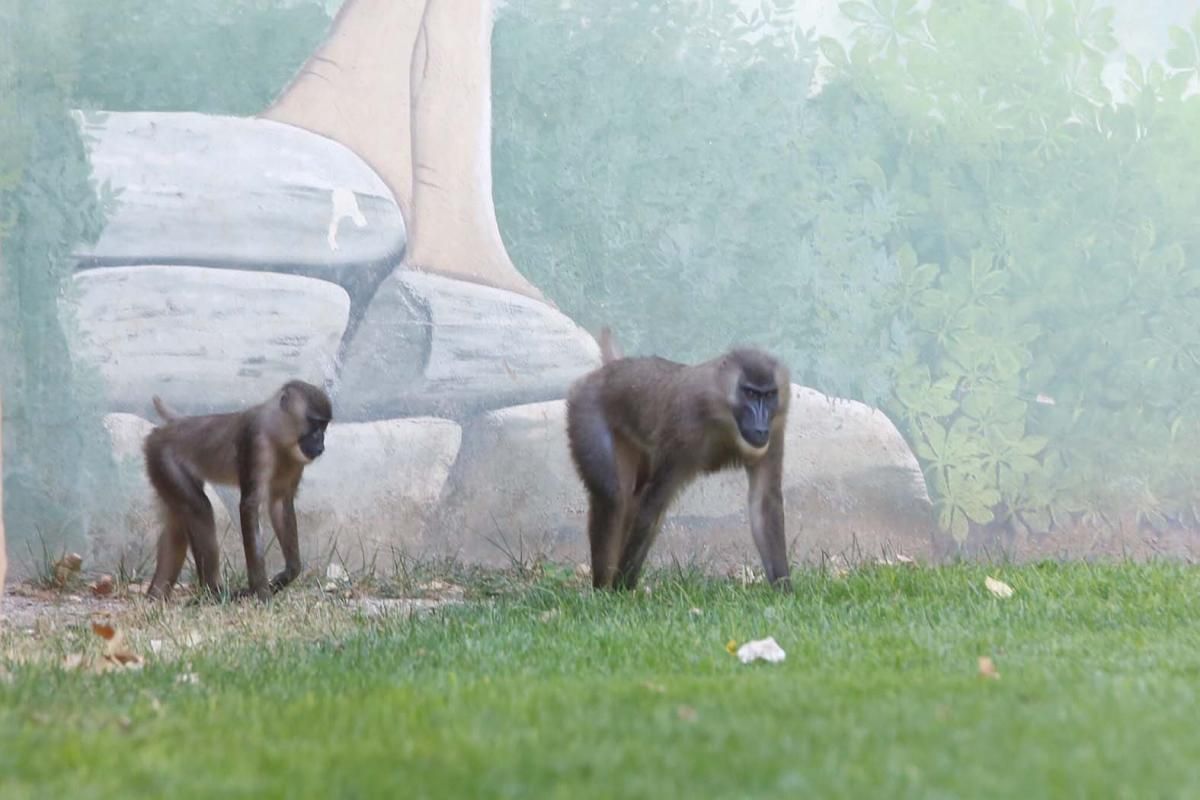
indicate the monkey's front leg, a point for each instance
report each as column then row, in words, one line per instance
column 256, row 569
column 283, row 520
column 765, row 503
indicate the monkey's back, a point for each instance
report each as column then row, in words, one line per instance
column 206, row 444
column 637, row 397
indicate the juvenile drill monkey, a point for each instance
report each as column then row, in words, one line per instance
column 263, row 451
column 641, row 429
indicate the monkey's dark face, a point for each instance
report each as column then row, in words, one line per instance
column 755, row 410
column 753, row 379
column 309, row 411
column 312, row 443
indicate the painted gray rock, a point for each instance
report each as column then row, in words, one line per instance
column 851, row 486
column 124, row 539
column 435, row 345
column 366, row 501
column 205, row 339
column 513, row 493
column 234, row 192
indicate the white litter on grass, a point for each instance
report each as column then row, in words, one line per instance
column 998, row 587
column 761, row 650
column 335, row 577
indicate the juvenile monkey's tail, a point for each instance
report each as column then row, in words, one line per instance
column 164, row 410
column 608, row 348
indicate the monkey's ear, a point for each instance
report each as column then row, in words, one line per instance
column 283, row 399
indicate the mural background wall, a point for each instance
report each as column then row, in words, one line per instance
column 976, row 251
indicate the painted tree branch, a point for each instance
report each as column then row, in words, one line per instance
column 406, row 84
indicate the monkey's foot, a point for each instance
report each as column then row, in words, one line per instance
column 264, row 594
column 282, row 579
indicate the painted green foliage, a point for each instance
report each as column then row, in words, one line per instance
column 56, row 457
column 963, row 227
column 55, row 55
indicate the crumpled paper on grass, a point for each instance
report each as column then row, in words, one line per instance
column 761, row 650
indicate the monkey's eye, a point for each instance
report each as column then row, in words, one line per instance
column 751, row 394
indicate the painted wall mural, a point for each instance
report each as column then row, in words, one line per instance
column 346, row 235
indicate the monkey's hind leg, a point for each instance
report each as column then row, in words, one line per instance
column 189, row 522
column 172, row 552
column 656, row 496
column 594, row 452
column 202, row 533
column 604, row 539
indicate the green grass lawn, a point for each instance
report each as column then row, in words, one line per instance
column 549, row 690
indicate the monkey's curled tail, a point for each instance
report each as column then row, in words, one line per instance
column 608, row 348
column 164, row 410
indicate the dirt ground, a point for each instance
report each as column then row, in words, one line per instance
column 76, row 629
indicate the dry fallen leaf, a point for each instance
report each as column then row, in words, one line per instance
column 442, row 589
column 687, row 713
column 695, row 612
column 156, row 646
column 117, row 652
column 987, row 668
column 998, row 588
column 103, row 586
column 731, row 647
column 104, row 630
column 548, row 614
column 583, row 571
column 188, row 678
column 72, row 661
column 837, row 567
column 654, row 687
column 746, row 575
column 66, row 568
column 903, row 559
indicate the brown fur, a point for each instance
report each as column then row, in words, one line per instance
column 259, row 451
column 641, row 429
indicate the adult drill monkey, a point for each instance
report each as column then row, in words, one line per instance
column 263, row 451
column 641, row 429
